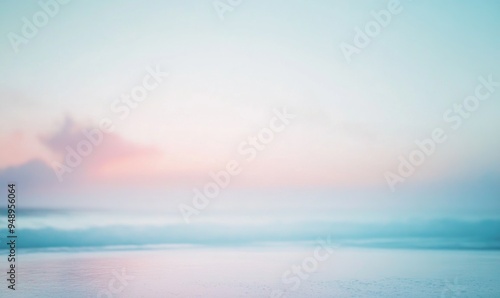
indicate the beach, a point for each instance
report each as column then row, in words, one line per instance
column 197, row 271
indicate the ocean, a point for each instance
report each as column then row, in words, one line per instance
column 111, row 254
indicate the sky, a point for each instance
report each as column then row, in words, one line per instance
column 226, row 79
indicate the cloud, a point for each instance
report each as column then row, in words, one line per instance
column 112, row 157
column 32, row 175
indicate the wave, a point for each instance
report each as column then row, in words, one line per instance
column 61, row 229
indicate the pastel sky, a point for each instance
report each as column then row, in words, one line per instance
column 225, row 78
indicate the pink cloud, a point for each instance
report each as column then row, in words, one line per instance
column 112, row 158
